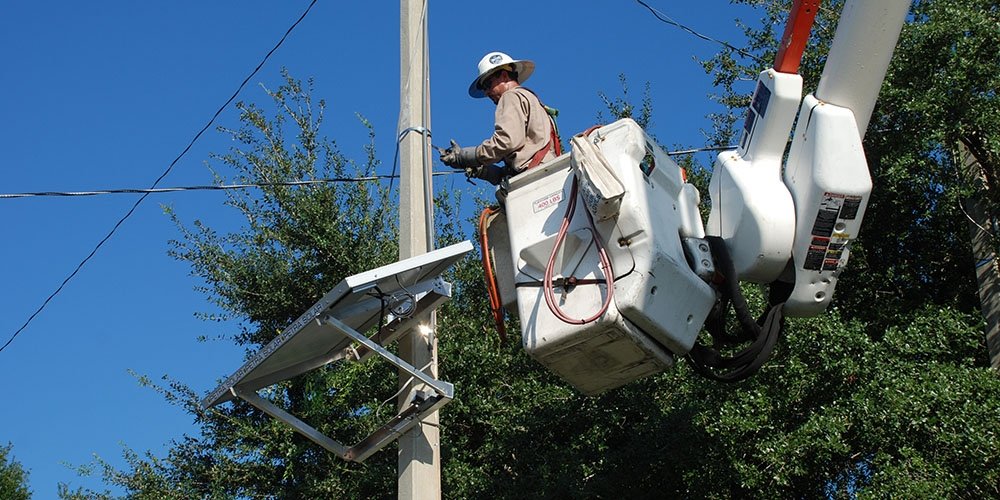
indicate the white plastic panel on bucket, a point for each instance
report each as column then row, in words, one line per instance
column 659, row 303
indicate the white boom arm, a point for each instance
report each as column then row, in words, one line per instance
column 751, row 207
column 800, row 227
column 827, row 173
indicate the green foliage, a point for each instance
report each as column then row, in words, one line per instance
column 296, row 243
column 65, row 493
column 944, row 80
column 622, row 107
column 887, row 395
column 13, row 477
column 838, row 410
column 940, row 90
column 835, row 412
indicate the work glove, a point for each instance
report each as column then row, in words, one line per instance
column 459, row 157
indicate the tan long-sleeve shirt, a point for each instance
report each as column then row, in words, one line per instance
column 522, row 129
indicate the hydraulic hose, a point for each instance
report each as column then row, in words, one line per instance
column 548, row 287
column 492, row 289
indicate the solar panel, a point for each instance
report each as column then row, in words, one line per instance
column 402, row 294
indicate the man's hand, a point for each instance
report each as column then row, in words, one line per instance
column 459, row 157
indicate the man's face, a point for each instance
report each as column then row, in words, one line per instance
column 495, row 85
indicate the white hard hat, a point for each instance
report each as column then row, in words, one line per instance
column 495, row 61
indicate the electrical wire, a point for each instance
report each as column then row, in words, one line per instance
column 399, row 139
column 667, row 19
column 402, row 387
column 425, row 119
column 699, row 150
column 160, row 178
column 221, row 187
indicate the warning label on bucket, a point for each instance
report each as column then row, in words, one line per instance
column 829, row 240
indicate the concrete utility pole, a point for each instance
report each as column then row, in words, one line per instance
column 419, row 449
column 983, row 234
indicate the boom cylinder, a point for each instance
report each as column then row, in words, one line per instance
column 859, row 56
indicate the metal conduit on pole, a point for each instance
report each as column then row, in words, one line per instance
column 419, row 467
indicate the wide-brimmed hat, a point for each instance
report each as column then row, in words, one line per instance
column 495, row 61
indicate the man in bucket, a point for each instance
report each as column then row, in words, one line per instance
column 524, row 135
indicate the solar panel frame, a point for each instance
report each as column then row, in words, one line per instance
column 357, row 302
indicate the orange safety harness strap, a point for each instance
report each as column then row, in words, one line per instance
column 536, row 159
column 553, row 139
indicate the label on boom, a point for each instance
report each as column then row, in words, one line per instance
column 829, row 241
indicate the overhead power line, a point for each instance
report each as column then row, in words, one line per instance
column 158, row 179
column 667, row 19
column 225, row 187
column 697, row 150
column 218, row 187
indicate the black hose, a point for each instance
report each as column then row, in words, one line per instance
column 708, row 361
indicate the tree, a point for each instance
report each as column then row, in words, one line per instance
column 296, row 244
column 939, row 88
column 856, row 402
column 13, row 477
column 944, row 84
column 910, row 273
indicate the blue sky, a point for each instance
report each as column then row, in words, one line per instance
column 105, row 94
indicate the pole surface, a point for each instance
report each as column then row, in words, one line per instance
column 419, row 472
column 982, row 232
